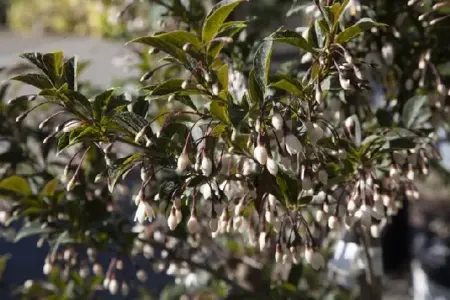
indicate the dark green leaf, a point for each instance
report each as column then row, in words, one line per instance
column 220, row 111
column 159, row 42
column 186, row 100
column 338, row 10
column 215, row 18
column 70, row 73
column 261, row 63
column 256, row 93
column 384, row 118
column 16, row 184
column 168, row 87
column 119, row 167
column 236, row 112
column 100, row 103
column 292, row 38
column 50, row 187
column 54, row 63
column 38, row 80
column 287, row 86
column 412, row 109
column 131, row 121
column 354, row 30
column 32, row 229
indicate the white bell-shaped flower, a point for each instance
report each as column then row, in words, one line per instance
column 260, row 154
column 272, row 166
column 183, row 161
column 143, row 212
column 206, row 166
column 293, row 145
column 277, row 121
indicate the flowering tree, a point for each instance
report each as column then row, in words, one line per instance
column 239, row 173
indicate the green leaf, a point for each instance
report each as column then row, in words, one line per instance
column 54, row 63
column 228, row 29
column 216, row 17
column 222, row 77
column 236, row 112
column 70, row 73
column 220, row 111
column 100, row 103
column 384, row 118
column 354, row 30
column 168, row 87
column 131, row 121
column 16, row 184
column 37, row 80
column 338, row 10
column 288, row 187
column 32, row 229
column 179, row 38
column 287, row 86
column 186, row 100
column 292, row 38
column 50, row 187
column 3, row 261
column 255, row 91
column 159, row 42
column 261, row 63
column 119, row 167
column 412, row 109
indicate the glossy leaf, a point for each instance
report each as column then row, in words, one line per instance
column 255, row 90
column 70, row 73
column 16, row 184
column 220, row 111
column 119, row 167
column 37, row 80
column 216, row 17
column 292, row 38
column 261, row 63
column 100, row 103
column 412, row 110
column 354, row 30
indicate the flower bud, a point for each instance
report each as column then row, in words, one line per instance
column 332, row 222
column 410, row 173
column 293, row 145
column 272, row 200
column 206, row 166
column 184, row 84
column 260, row 154
column 215, row 89
column 349, row 123
column 364, row 214
column 187, row 47
column 113, row 286
column 192, row 225
column 183, row 161
column 262, row 241
column 315, row 132
column 278, row 253
column 272, row 166
column 71, row 125
column 375, row 231
column 47, row 268
column 71, row 184
column 172, row 220
column 277, row 121
column 268, row 215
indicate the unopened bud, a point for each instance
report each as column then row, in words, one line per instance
column 192, row 225
column 260, row 154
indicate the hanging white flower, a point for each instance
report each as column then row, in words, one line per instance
column 206, row 166
column 143, row 212
column 260, row 154
column 293, row 145
column 272, row 166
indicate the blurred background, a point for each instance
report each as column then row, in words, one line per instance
column 96, row 31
